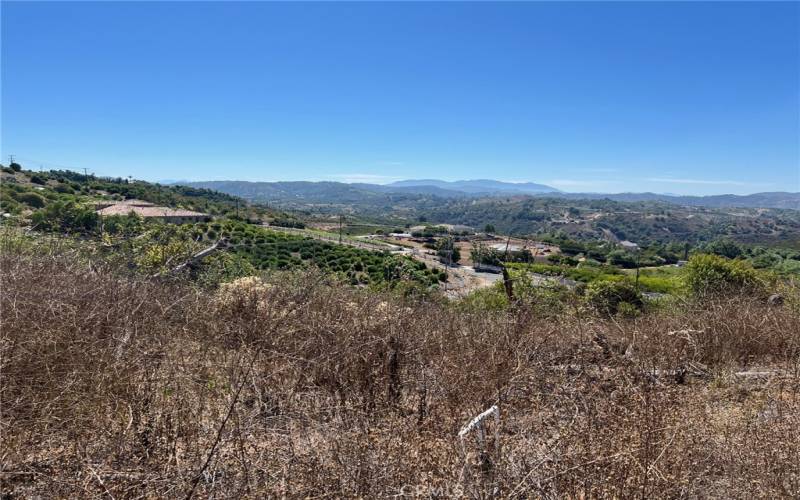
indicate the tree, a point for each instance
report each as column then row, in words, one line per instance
column 16, row 167
column 488, row 256
column 563, row 260
column 621, row 258
column 724, row 247
column 447, row 251
column 489, row 228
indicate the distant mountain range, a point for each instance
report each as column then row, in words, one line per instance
column 303, row 192
column 778, row 199
column 479, row 186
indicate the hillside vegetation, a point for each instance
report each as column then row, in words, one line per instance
column 134, row 364
column 125, row 386
column 58, row 202
column 333, row 193
column 24, row 191
column 766, row 218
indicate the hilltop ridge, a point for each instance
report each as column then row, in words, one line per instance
column 339, row 192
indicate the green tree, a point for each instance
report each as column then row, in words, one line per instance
column 724, row 247
column 447, row 251
column 484, row 255
column 621, row 258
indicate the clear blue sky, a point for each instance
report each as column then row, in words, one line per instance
column 607, row 97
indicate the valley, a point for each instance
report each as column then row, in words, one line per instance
column 304, row 319
column 400, row 250
column 767, row 218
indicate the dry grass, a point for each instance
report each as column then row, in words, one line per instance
column 124, row 388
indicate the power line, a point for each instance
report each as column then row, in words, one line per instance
column 54, row 166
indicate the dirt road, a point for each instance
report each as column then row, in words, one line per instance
column 461, row 280
column 332, row 238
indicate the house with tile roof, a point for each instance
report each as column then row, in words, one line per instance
column 148, row 210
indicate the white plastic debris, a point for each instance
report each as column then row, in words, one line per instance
column 478, row 421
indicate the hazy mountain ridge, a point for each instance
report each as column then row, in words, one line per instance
column 776, row 199
column 479, row 186
column 343, row 193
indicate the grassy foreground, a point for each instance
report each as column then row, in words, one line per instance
column 125, row 387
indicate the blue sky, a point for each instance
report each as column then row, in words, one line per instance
column 695, row 98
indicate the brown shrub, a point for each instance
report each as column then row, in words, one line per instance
column 124, row 387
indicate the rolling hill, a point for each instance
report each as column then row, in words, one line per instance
column 478, row 186
column 295, row 194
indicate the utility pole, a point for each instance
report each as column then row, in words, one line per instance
column 507, row 283
column 10, row 159
column 446, row 277
column 638, row 256
column 341, row 217
column 85, row 174
column 450, row 246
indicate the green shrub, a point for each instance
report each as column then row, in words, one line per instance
column 708, row 274
column 223, row 267
column 286, row 222
column 608, row 297
column 8, row 204
column 628, row 310
column 31, row 199
column 659, row 284
column 562, row 260
column 485, row 299
column 65, row 216
column 124, row 225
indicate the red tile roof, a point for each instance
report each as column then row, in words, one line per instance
column 149, row 211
